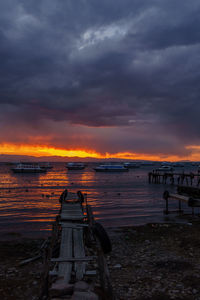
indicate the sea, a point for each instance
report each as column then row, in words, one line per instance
column 29, row 203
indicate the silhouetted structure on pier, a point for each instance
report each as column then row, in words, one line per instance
column 174, row 178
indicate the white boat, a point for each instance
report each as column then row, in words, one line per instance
column 131, row 165
column 28, row 168
column 75, row 166
column 165, row 168
column 111, row 168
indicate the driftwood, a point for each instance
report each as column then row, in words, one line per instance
column 44, row 288
column 37, row 256
column 28, row 260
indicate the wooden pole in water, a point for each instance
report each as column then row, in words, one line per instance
column 149, row 174
column 179, row 206
column 166, row 196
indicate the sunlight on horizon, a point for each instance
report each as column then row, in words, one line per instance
column 45, row 151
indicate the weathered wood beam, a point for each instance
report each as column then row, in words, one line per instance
column 79, row 251
column 72, row 259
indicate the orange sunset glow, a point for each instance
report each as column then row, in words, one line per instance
column 43, row 150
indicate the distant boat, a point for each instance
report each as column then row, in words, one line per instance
column 147, row 163
column 47, row 166
column 75, row 166
column 28, row 168
column 178, row 165
column 131, row 165
column 111, row 168
column 195, row 163
column 165, row 168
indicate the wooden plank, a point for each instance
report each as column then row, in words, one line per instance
column 79, row 252
column 71, row 213
column 71, row 195
column 192, row 202
column 73, row 259
column 179, row 197
column 65, row 268
column 72, row 218
column 72, row 208
column 68, row 214
column 75, row 209
column 72, row 204
column 73, row 225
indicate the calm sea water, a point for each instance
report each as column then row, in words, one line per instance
column 29, row 202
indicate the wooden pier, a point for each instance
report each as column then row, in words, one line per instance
column 190, row 201
column 179, row 178
column 75, row 265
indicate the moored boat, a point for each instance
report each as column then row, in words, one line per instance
column 178, row 165
column 75, row 166
column 28, row 168
column 165, row 168
column 147, row 163
column 131, row 165
column 111, row 168
column 46, row 166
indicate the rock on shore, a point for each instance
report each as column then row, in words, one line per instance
column 19, row 282
column 156, row 261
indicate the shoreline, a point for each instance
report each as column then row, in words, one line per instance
column 156, row 261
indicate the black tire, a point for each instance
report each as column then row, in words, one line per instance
column 103, row 237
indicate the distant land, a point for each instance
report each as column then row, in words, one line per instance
column 27, row 158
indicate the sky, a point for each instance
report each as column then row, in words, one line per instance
column 109, row 78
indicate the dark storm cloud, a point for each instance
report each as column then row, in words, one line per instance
column 102, row 63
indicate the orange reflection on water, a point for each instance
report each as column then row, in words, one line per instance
column 53, row 178
column 87, row 176
column 81, row 177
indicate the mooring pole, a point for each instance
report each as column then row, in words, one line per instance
column 179, row 206
column 166, row 196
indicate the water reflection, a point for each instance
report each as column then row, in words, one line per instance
column 29, row 202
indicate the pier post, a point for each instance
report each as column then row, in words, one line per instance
column 166, row 196
column 179, row 206
column 150, row 177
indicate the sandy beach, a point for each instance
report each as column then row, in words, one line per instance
column 154, row 261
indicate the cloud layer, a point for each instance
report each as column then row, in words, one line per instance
column 108, row 75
